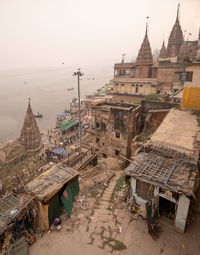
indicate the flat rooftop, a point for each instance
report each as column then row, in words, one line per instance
column 108, row 105
column 177, row 131
column 123, row 65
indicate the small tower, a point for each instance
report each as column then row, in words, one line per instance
column 30, row 136
column 144, row 60
column 175, row 38
column 163, row 51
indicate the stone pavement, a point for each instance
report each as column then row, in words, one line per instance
column 116, row 231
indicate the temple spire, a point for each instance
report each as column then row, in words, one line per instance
column 144, row 59
column 30, row 136
column 176, row 38
column 145, row 54
column 163, row 51
column 178, row 10
column 146, row 29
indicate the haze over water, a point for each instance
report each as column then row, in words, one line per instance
column 47, row 88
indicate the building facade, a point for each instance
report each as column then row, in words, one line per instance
column 148, row 75
column 114, row 126
column 191, row 91
column 164, row 174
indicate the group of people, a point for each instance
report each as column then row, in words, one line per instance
column 70, row 140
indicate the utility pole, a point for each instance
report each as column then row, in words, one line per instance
column 79, row 74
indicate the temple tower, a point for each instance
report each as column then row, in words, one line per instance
column 175, row 38
column 30, row 136
column 163, row 51
column 144, row 60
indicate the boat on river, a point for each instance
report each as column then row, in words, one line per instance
column 72, row 88
column 38, row 115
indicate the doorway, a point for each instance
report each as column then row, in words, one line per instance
column 167, row 208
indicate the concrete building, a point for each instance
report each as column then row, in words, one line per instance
column 114, row 126
column 191, row 91
column 164, row 174
column 134, row 80
column 175, row 58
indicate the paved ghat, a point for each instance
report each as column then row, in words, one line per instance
column 117, row 232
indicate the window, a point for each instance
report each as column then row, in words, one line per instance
column 116, row 84
column 133, row 85
column 141, row 85
column 97, row 124
column 97, row 140
column 189, row 76
column 117, row 152
column 117, row 134
column 103, row 126
column 182, row 77
column 122, row 84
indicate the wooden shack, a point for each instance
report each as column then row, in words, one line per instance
column 54, row 189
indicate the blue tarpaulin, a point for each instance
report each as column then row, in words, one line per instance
column 58, row 151
column 62, row 114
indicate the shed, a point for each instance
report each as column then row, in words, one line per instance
column 164, row 174
column 68, row 125
column 53, row 189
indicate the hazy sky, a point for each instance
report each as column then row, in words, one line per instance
column 78, row 32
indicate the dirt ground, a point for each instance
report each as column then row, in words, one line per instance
column 104, row 225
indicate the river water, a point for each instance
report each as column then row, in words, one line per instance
column 47, row 88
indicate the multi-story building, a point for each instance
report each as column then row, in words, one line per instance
column 132, row 81
column 114, row 126
column 191, row 91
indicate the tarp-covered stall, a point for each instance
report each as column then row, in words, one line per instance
column 68, row 125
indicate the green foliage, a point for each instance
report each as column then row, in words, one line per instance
column 153, row 97
column 118, row 187
column 142, row 138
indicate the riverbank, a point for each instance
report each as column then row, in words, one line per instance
column 48, row 90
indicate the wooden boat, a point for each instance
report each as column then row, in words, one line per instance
column 38, row 115
column 72, row 88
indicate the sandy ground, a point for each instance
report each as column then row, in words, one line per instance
column 100, row 234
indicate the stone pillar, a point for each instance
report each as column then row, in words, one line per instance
column 133, row 185
column 182, row 212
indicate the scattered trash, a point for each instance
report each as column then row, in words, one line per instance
column 119, row 229
column 80, row 216
column 14, row 212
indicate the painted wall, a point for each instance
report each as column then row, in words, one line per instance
column 191, row 92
